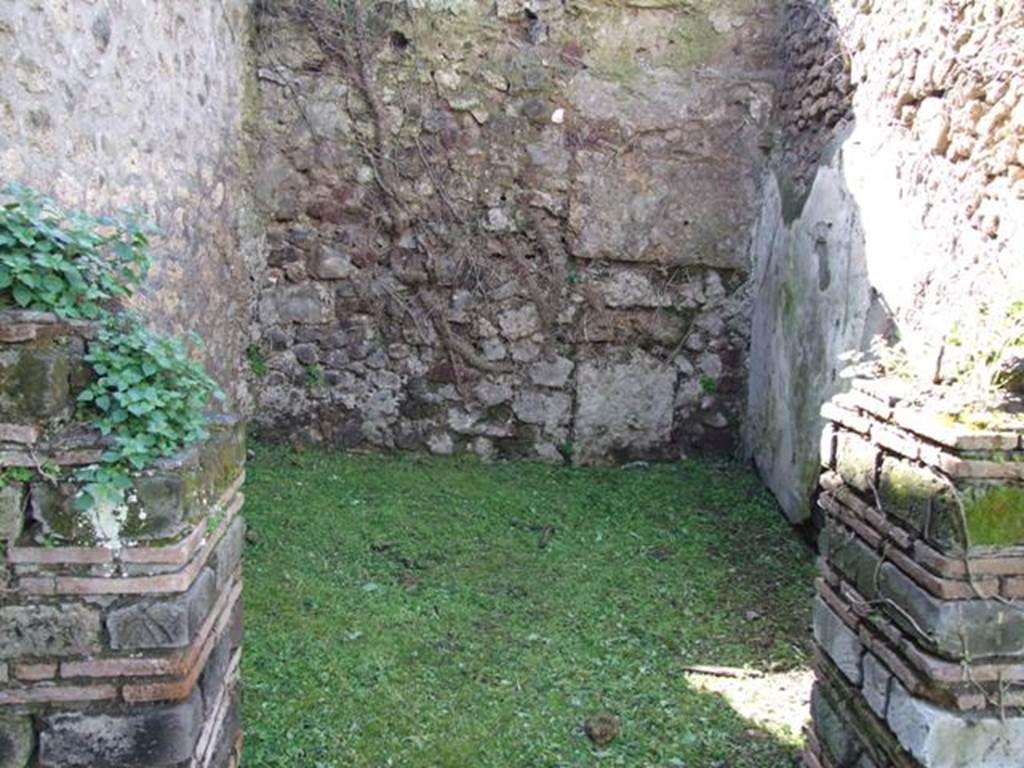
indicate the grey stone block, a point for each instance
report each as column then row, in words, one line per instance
column 228, row 732
column 331, row 264
column 236, row 625
column 624, row 406
column 17, row 740
column 551, row 373
column 212, row 679
column 550, row 410
column 907, row 491
column 153, row 737
column 876, row 684
column 12, row 511
column 160, row 510
column 165, row 623
column 957, row 629
column 48, row 630
column 229, row 551
column 856, row 461
column 52, row 507
column 836, row 736
column 35, row 383
column 307, row 303
column 838, row 641
column 149, row 625
column 941, row 738
column 200, row 598
column 852, row 558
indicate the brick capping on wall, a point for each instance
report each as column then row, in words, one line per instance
column 113, row 653
column 919, row 627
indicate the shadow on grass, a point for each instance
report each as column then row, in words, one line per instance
column 424, row 612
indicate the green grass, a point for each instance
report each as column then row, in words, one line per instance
column 438, row 612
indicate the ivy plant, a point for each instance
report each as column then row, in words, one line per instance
column 66, row 262
column 148, row 394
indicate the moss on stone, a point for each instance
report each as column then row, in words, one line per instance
column 698, row 42
column 995, row 516
column 34, row 382
column 53, row 507
column 909, row 492
column 787, row 302
column 809, row 472
column 694, row 41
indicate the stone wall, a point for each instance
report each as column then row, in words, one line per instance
column 116, row 104
column 897, row 192
column 919, row 619
column 518, row 229
column 120, row 630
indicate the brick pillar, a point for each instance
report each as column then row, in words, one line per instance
column 919, row 615
column 113, row 652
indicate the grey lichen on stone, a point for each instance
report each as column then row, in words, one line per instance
column 165, row 734
column 169, row 623
column 838, row 641
column 941, row 738
column 48, row 630
column 17, row 740
column 623, row 403
column 12, row 511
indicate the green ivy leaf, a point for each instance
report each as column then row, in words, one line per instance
column 22, row 295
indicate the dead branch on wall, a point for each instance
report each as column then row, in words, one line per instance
column 448, row 245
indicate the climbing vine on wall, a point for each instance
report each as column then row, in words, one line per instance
column 147, row 394
column 442, row 234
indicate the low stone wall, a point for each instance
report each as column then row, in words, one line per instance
column 115, row 650
column 919, row 618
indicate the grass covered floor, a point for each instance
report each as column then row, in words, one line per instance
column 439, row 612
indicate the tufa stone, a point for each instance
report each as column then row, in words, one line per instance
column 48, row 630
column 331, row 264
column 623, row 405
column 16, row 740
column 939, row 738
column 163, row 735
column 12, row 511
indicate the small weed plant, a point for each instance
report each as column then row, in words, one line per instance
column 980, row 368
column 996, row 332
column 12, row 475
column 314, row 376
column 257, row 361
column 147, row 393
column 68, row 263
column 708, row 385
